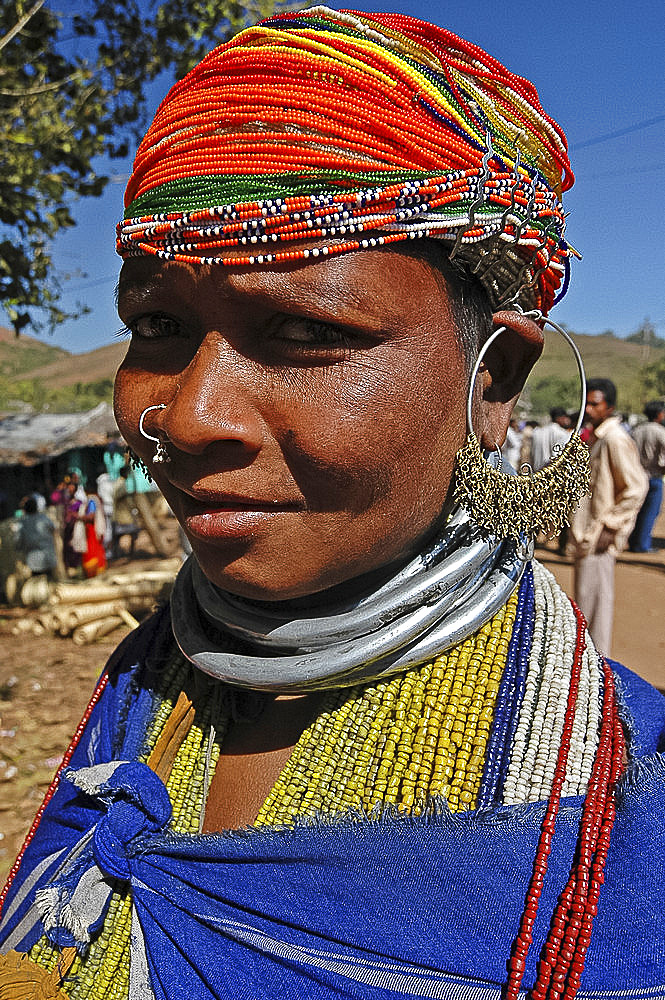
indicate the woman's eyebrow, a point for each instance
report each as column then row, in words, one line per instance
column 139, row 287
column 328, row 310
column 350, row 307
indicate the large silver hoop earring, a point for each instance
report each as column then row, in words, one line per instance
column 528, row 503
column 161, row 454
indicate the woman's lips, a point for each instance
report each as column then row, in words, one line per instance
column 231, row 516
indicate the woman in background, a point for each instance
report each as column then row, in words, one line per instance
column 94, row 558
column 35, row 539
column 73, row 530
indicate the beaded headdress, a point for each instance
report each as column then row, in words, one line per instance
column 320, row 132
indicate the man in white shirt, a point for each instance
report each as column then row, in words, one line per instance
column 545, row 439
column 604, row 519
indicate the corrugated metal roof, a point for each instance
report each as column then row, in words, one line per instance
column 26, row 439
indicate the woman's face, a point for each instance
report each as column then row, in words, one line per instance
column 312, row 412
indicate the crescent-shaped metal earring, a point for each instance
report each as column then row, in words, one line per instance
column 161, row 454
column 523, row 505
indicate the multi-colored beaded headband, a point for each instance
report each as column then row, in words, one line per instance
column 349, row 130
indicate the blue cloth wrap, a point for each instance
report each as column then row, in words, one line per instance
column 372, row 909
column 137, row 803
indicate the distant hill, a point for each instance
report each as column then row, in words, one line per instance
column 38, row 377
column 19, row 355
column 92, row 366
column 554, row 380
column 604, row 356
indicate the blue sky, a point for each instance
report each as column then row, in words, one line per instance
column 599, row 70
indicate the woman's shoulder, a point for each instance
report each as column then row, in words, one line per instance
column 643, row 711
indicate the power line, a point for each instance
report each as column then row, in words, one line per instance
column 619, row 132
column 89, row 284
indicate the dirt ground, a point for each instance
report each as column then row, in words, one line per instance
column 45, row 682
column 45, row 685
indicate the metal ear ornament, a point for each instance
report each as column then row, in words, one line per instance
column 161, row 454
column 527, row 503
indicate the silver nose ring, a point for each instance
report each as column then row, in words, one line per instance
column 161, row 454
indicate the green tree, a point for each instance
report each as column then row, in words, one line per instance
column 646, row 335
column 544, row 393
column 72, row 87
column 653, row 380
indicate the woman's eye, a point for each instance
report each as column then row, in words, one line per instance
column 313, row 334
column 154, row 325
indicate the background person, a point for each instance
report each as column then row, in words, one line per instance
column 74, row 543
column 34, row 541
column 546, row 438
column 114, row 456
column 91, row 514
column 513, row 444
column 125, row 513
column 602, row 524
column 650, row 440
column 105, row 490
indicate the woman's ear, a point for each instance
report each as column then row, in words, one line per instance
column 503, row 373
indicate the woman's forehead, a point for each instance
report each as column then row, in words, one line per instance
column 371, row 287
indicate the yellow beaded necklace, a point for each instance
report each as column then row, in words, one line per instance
column 400, row 742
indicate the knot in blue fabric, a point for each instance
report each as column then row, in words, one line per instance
column 137, row 803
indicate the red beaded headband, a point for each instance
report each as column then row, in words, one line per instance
column 356, row 131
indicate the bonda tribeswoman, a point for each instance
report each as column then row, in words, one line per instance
column 369, row 750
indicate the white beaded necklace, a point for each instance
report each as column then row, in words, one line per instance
column 539, row 729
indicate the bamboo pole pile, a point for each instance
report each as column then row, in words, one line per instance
column 92, row 609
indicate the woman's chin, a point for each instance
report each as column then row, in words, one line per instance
column 255, row 574
column 240, row 575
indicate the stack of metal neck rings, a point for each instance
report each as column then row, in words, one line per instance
column 454, row 586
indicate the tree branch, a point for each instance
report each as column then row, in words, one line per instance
column 41, row 89
column 21, row 24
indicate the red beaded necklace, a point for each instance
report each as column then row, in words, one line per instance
column 562, row 961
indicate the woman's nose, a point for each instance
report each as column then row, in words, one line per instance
column 215, row 401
